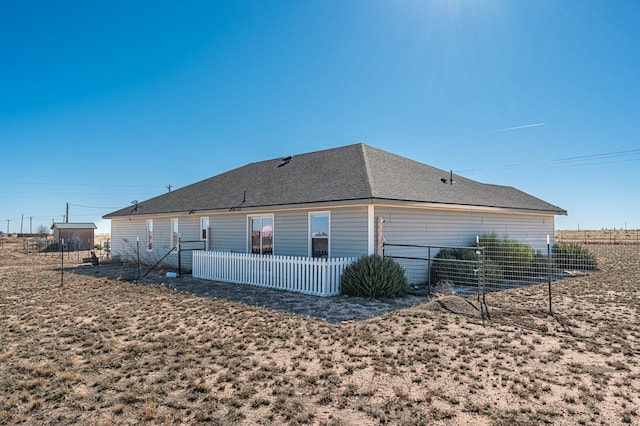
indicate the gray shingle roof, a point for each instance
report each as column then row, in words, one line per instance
column 350, row 173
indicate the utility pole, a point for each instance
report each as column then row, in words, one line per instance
column 30, row 223
column 8, row 220
column 21, row 222
column 168, row 187
column 67, row 214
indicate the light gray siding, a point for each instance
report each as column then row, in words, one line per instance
column 440, row 228
column 349, row 232
column 228, row 232
column 452, row 228
column 189, row 230
column 291, row 233
column 127, row 236
column 348, row 236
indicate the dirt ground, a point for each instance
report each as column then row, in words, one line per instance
column 101, row 350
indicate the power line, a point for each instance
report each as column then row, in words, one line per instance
column 604, row 155
column 73, row 193
column 80, row 184
column 580, row 160
column 561, row 166
column 93, row 207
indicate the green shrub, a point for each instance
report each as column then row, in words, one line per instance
column 492, row 245
column 461, row 267
column 573, row 256
column 539, row 264
column 456, row 265
column 374, row 276
column 515, row 259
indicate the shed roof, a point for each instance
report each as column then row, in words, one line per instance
column 357, row 173
column 76, row 225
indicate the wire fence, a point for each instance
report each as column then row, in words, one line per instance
column 496, row 264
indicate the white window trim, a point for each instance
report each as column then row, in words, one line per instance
column 309, row 231
column 177, row 222
column 248, row 230
column 150, row 232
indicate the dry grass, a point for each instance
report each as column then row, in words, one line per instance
column 609, row 236
column 100, row 351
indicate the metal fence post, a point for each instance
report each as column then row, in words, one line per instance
column 62, row 263
column 549, row 260
column 138, row 253
column 429, row 268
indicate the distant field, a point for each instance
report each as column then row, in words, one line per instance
column 620, row 236
column 107, row 351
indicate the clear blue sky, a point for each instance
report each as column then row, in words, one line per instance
column 102, row 103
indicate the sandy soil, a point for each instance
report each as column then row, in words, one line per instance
column 104, row 351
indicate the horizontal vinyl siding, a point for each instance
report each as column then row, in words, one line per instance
column 291, row 233
column 228, row 232
column 162, row 240
column 349, row 232
column 123, row 240
column 125, row 232
column 451, row 228
column 189, row 230
column 438, row 228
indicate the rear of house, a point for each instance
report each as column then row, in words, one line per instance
column 336, row 203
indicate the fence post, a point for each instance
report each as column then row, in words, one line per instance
column 62, row 263
column 480, row 269
column 549, row 272
column 138, row 254
column 429, row 269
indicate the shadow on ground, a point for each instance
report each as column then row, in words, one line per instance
column 334, row 309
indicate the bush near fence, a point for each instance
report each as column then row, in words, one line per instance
column 573, row 256
column 498, row 259
column 374, row 276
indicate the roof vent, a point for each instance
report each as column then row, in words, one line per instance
column 450, row 181
column 285, row 161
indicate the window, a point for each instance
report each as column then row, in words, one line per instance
column 204, row 230
column 175, row 236
column 261, row 238
column 149, row 234
column 319, row 234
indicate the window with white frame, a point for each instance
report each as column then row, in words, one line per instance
column 204, row 231
column 319, row 232
column 149, row 234
column 175, row 236
column 261, row 234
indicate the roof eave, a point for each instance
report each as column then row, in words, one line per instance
column 342, row 203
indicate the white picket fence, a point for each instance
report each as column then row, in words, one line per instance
column 320, row 277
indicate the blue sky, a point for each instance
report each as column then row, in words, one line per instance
column 102, row 103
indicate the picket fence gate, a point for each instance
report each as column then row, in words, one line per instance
column 315, row 276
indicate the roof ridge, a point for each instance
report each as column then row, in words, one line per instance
column 367, row 172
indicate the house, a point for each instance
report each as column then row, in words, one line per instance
column 327, row 203
column 76, row 236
